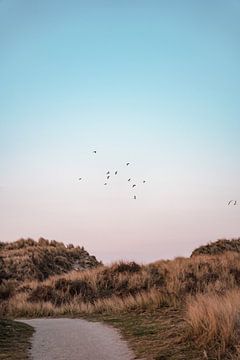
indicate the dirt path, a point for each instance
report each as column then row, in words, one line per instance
column 76, row 339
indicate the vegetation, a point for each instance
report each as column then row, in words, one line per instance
column 186, row 308
column 14, row 340
column 218, row 247
column 37, row 260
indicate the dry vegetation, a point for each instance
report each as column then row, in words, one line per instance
column 37, row 260
column 187, row 308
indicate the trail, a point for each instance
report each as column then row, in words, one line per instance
column 76, row 339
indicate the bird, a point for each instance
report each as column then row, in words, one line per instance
column 134, row 185
column 116, row 172
column 94, row 151
column 127, row 163
column 144, row 181
column 105, row 183
column 135, row 197
column 235, row 202
column 108, row 172
column 129, row 179
column 108, row 176
column 79, row 179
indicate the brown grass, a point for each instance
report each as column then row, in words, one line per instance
column 29, row 259
column 199, row 296
column 215, row 319
column 218, row 247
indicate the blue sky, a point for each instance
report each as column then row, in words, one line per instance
column 155, row 83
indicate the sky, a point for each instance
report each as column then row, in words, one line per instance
column 153, row 83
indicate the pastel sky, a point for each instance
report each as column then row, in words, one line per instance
column 155, row 83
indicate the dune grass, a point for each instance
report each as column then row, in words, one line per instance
column 186, row 308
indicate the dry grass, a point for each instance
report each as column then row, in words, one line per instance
column 199, row 296
column 29, row 259
column 218, row 247
column 215, row 319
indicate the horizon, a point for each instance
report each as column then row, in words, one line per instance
column 151, row 83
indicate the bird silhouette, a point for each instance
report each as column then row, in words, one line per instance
column 94, row 151
column 135, row 197
column 105, row 183
column 127, row 163
column 116, row 172
column 108, row 176
column 129, row 179
column 79, row 179
column 108, row 172
column 234, row 202
column 134, row 185
column 144, row 181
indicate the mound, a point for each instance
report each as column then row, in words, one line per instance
column 37, row 260
column 218, row 247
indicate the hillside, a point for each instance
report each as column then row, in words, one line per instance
column 218, row 247
column 37, row 260
column 186, row 308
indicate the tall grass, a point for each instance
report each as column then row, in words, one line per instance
column 215, row 319
column 204, row 289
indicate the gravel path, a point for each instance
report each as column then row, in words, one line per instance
column 76, row 339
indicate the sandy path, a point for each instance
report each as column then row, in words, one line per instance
column 76, row 339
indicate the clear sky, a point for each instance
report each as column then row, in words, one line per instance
column 155, row 83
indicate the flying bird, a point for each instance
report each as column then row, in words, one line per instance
column 105, row 183
column 234, row 202
column 116, row 172
column 127, row 163
column 94, row 151
column 129, row 179
column 134, row 185
column 108, row 176
column 108, row 172
column 79, row 179
column 135, row 197
column 144, row 181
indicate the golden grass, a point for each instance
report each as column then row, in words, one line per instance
column 203, row 293
column 215, row 319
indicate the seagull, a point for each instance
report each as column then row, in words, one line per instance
column 116, row 172
column 134, row 185
column 235, row 202
column 127, row 163
column 129, row 179
column 135, row 197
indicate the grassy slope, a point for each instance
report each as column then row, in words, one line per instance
column 187, row 308
column 14, row 340
column 37, row 260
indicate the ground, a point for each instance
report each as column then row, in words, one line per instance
column 155, row 335
column 14, row 340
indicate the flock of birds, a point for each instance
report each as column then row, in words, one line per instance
column 108, row 176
